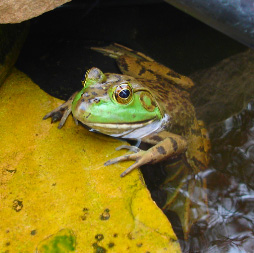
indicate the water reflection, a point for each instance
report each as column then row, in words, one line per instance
column 230, row 185
column 230, row 188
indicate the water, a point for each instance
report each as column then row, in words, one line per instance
column 230, row 188
column 230, row 184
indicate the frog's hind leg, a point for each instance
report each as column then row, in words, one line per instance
column 116, row 50
column 186, row 196
column 185, row 184
column 139, row 65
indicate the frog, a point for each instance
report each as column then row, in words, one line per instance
column 148, row 103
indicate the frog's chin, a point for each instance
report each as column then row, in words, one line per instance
column 136, row 130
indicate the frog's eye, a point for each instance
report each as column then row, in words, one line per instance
column 123, row 93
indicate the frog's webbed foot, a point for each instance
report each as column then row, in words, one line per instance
column 169, row 147
column 61, row 113
column 137, row 156
column 138, row 153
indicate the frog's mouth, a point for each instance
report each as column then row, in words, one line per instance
column 136, row 130
column 112, row 128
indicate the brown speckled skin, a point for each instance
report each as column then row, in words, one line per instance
column 183, row 137
column 171, row 92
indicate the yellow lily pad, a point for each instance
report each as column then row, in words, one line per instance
column 55, row 193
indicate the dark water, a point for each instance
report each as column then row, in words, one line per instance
column 57, row 54
column 227, row 108
column 230, row 188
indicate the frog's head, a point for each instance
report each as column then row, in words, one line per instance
column 116, row 105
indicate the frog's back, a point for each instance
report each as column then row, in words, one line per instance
column 169, row 88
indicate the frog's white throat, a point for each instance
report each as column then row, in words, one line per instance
column 131, row 131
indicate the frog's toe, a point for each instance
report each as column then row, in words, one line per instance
column 129, row 157
column 59, row 114
column 135, row 157
column 75, row 120
column 116, row 160
column 132, row 167
column 124, row 158
column 56, row 116
column 64, row 117
column 131, row 148
column 47, row 115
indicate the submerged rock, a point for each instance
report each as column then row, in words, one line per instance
column 55, row 190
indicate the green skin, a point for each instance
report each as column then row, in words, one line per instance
column 140, row 116
column 156, row 110
column 102, row 110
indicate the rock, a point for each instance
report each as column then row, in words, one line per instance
column 224, row 89
column 12, row 11
column 55, row 193
column 12, row 38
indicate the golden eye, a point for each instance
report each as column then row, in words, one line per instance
column 123, row 93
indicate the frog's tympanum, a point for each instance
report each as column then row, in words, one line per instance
column 150, row 103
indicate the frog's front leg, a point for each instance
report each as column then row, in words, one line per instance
column 172, row 146
column 61, row 112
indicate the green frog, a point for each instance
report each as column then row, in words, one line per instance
column 149, row 103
